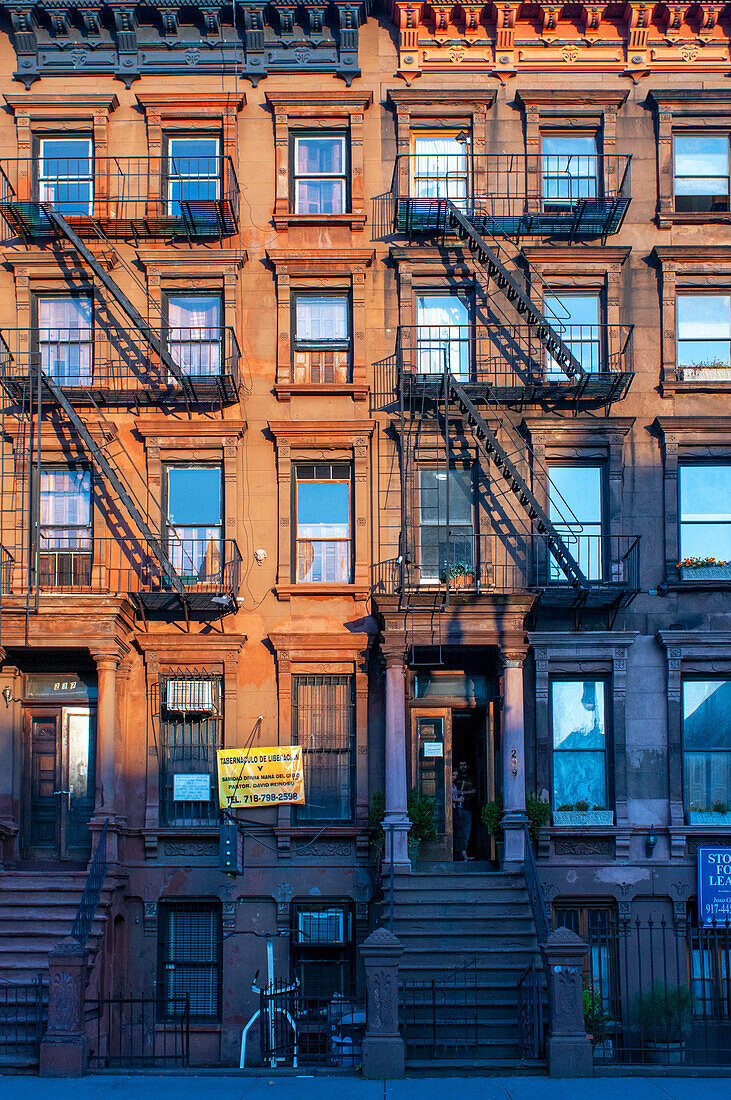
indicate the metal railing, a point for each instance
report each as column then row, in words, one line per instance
column 531, row 987
column 568, row 194
column 451, row 560
column 134, row 197
column 110, row 364
column 300, row 1029
column 445, row 1017
column 659, row 993
column 23, row 1013
column 84, row 918
column 126, row 1032
column 535, row 890
column 509, row 358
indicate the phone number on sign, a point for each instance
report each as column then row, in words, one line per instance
column 278, row 796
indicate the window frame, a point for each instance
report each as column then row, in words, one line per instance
column 164, row 943
column 61, row 135
column 38, row 296
column 433, row 131
column 166, row 525
column 298, row 464
column 467, row 297
column 79, row 557
column 298, row 294
column 680, row 132
column 705, row 292
column 335, row 679
column 607, row 752
column 301, row 953
column 295, row 134
column 168, row 295
column 472, row 471
column 166, row 178
column 684, row 463
column 595, row 133
column 559, row 294
column 604, row 522
column 609, row 935
column 214, row 721
column 699, row 677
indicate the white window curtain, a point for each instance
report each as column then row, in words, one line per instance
column 65, row 510
column 321, row 319
column 443, row 330
column 440, row 169
column 195, row 334
column 65, row 339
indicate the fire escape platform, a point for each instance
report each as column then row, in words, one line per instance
column 585, row 218
column 197, row 221
column 593, row 390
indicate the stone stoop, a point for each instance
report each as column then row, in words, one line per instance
column 446, row 916
column 37, row 911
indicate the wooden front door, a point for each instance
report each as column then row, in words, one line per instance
column 60, row 744
column 431, row 774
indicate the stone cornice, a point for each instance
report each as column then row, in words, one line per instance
column 583, row 101
column 181, row 105
column 177, row 648
column 326, row 261
column 61, row 106
column 694, row 253
column 310, row 103
column 190, row 433
column 697, row 642
column 320, row 433
column 452, row 98
column 171, row 260
column 308, row 646
column 584, row 426
column 667, row 425
column 578, row 255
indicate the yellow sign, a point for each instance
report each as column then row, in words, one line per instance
column 260, row 777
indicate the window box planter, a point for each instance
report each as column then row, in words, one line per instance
column 706, row 573
column 583, row 817
column 708, row 817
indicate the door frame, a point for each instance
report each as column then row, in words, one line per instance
column 441, row 848
column 61, row 851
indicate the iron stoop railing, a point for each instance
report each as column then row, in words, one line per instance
column 92, row 890
column 23, row 1012
column 532, row 983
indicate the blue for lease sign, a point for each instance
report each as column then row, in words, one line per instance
column 714, row 886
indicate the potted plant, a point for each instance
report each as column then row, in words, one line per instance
column 598, row 1023
column 719, row 813
column 376, row 814
column 704, row 569
column 582, row 812
column 712, row 370
column 491, row 816
column 461, row 575
column 538, row 811
column 662, row 1015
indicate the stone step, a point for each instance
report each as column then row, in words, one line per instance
column 476, row 923
column 465, row 1067
column 456, row 909
column 41, row 925
column 438, row 893
column 484, row 1049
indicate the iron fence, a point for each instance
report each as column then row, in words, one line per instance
column 305, row 1030
column 659, row 993
column 92, row 890
column 23, row 1011
column 126, row 1032
column 445, row 1017
column 531, row 1003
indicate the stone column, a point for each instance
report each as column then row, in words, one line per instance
column 396, row 782
column 568, row 1048
column 383, row 1048
column 513, row 756
column 63, row 1049
column 106, row 730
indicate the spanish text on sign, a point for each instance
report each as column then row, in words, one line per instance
column 260, row 777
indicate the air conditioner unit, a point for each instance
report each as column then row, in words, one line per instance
column 321, row 926
column 191, row 695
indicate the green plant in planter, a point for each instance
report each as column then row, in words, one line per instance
column 720, row 807
column 663, row 1013
column 376, row 814
column 539, row 814
column 596, row 1020
column 583, row 805
column 491, row 816
column 565, row 806
column 420, row 809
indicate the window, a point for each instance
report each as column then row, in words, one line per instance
column 321, row 338
column 194, row 528
column 323, row 523
column 65, row 339
column 706, row 744
column 596, row 925
column 194, row 173
column 576, row 319
column 568, row 168
column 194, row 333
column 579, row 743
column 190, row 733
column 705, row 511
column 65, row 532
column 189, row 959
column 66, row 174
column 320, row 180
column 704, row 330
column 701, row 172
column 446, row 533
column 709, row 951
column 443, row 335
column 323, row 719
column 440, row 166
column 575, row 507
column 323, row 953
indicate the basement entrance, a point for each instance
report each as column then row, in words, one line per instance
column 454, row 760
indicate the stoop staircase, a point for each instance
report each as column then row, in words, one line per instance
column 37, row 911
column 468, row 937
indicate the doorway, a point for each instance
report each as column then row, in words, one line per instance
column 59, row 782
column 440, row 739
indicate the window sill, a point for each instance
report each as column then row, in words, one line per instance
column 698, row 586
column 356, row 390
column 323, row 591
column 698, row 385
column 291, row 221
column 688, row 217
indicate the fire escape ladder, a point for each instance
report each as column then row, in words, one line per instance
column 496, row 453
column 153, row 338
column 120, row 489
column 492, row 257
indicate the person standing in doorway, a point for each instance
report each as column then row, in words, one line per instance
column 463, row 795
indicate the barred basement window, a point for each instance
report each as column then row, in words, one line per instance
column 323, row 953
column 190, row 732
column 597, row 925
column 189, row 959
column 323, row 723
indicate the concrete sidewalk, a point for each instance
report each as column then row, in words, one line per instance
column 190, row 1087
